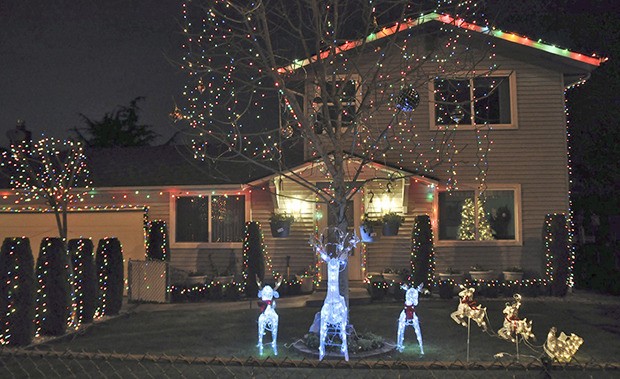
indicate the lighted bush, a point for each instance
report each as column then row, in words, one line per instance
column 109, row 262
column 422, row 259
column 16, row 292
column 555, row 237
column 84, row 278
column 157, row 244
column 54, row 288
column 254, row 259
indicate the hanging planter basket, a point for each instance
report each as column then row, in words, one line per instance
column 391, row 223
column 368, row 233
column 280, row 224
column 390, row 229
column 280, row 229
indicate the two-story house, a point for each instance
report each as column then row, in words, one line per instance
column 498, row 123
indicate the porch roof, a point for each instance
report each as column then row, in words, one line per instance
column 165, row 165
column 389, row 170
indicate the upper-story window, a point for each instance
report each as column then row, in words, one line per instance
column 341, row 97
column 209, row 219
column 475, row 102
column 474, row 216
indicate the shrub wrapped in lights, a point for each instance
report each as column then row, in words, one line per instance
column 54, row 300
column 555, row 236
column 84, row 278
column 157, row 244
column 253, row 257
column 16, row 292
column 422, row 256
column 109, row 261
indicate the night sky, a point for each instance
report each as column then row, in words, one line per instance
column 59, row 58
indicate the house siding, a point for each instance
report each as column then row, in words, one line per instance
column 532, row 156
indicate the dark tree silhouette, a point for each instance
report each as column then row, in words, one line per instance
column 119, row 128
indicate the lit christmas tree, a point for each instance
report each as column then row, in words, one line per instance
column 52, row 171
column 467, row 228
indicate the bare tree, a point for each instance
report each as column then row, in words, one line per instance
column 49, row 170
column 340, row 78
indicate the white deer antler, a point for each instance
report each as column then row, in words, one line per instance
column 260, row 284
column 278, row 283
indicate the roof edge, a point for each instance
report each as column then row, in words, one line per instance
column 449, row 20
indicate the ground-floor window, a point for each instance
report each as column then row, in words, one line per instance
column 474, row 215
column 210, row 218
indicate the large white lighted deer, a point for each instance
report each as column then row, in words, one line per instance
column 408, row 317
column 334, row 313
column 268, row 319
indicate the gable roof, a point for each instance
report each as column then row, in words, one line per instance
column 389, row 170
column 165, row 165
column 592, row 61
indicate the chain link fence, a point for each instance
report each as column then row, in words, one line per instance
column 21, row 363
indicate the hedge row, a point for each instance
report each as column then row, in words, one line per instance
column 65, row 290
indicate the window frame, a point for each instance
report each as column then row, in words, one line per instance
column 209, row 195
column 512, row 82
column 518, row 241
column 317, row 91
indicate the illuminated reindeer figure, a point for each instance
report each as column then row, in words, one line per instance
column 408, row 317
column 513, row 326
column 334, row 313
column 468, row 309
column 268, row 319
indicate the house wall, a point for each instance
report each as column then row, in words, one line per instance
column 532, row 156
column 394, row 252
column 126, row 225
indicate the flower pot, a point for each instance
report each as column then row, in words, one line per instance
column 457, row 278
column 368, row 234
column 390, row 277
column 280, row 229
column 446, row 290
column 307, row 284
column 483, row 275
column 511, row 276
column 224, row 279
column 390, row 229
column 196, row 279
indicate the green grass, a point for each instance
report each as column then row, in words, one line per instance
column 227, row 333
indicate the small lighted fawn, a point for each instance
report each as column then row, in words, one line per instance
column 468, row 309
column 513, row 326
column 334, row 313
column 268, row 319
column 408, row 317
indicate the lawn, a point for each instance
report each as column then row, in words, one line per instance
column 211, row 331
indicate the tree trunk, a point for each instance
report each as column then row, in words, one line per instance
column 340, row 208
